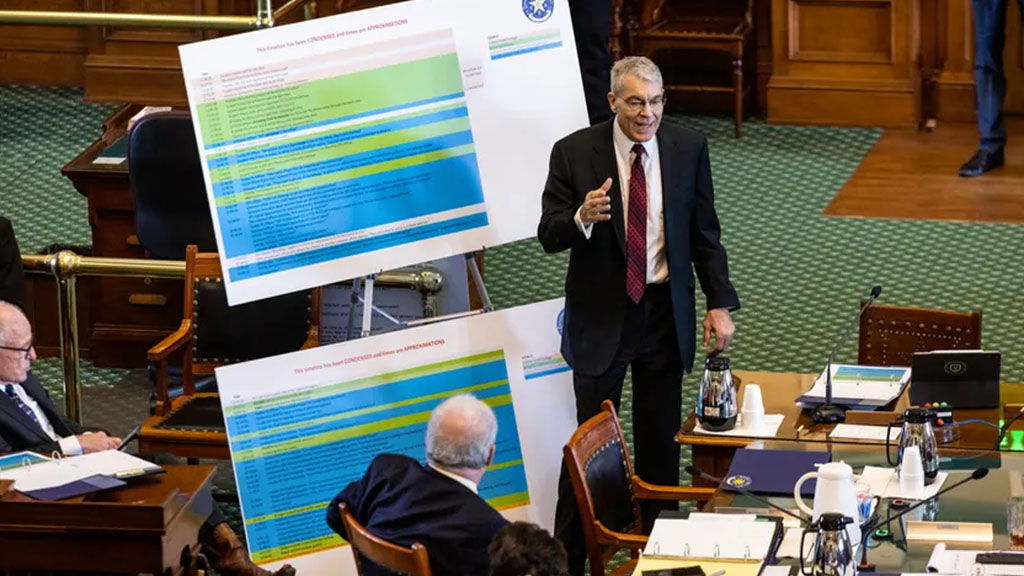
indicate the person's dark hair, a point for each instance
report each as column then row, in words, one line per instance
column 522, row 548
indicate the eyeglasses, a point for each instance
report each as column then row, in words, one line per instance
column 637, row 104
column 27, row 351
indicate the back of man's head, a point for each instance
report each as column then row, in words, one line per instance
column 522, row 548
column 461, row 433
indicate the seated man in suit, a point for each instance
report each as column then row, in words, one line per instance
column 12, row 277
column 437, row 505
column 525, row 549
column 29, row 421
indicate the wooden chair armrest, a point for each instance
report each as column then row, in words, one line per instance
column 171, row 343
column 607, row 537
column 647, row 491
column 312, row 339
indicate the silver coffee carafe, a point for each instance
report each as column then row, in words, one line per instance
column 832, row 553
column 917, row 430
column 717, row 399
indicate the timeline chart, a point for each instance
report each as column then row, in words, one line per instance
column 319, row 159
column 294, row 451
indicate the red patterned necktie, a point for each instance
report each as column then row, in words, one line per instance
column 636, row 230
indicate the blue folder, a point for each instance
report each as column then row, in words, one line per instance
column 76, row 488
column 773, row 471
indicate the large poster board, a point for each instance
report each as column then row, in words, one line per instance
column 361, row 142
column 301, row 426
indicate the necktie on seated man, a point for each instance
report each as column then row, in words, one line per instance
column 636, row 230
column 9, row 388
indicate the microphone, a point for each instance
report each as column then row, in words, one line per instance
column 976, row 475
column 829, row 413
column 694, row 471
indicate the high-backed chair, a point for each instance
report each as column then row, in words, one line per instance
column 413, row 560
column 723, row 26
column 889, row 335
column 607, row 491
column 171, row 207
column 213, row 334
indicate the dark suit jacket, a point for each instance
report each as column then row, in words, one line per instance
column 12, row 277
column 19, row 432
column 403, row 501
column 595, row 286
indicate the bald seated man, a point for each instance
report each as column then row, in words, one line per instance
column 29, row 421
column 436, row 504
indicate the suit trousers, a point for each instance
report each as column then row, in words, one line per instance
column 989, row 78
column 649, row 347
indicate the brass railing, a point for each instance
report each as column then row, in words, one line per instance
column 66, row 266
column 264, row 18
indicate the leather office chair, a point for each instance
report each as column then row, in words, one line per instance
column 889, row 335
column 171, row 208
column 213, row 334
column 413, row 560
column 607, row 490
column 723, row 26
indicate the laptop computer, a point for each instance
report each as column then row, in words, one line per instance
column 963, row 378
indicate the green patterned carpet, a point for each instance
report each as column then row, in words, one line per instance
column 800, row 275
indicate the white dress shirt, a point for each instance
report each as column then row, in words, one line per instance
column 460, row 479
column 657, row 265
column 68, row 446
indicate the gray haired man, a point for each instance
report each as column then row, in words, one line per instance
column 403, row 501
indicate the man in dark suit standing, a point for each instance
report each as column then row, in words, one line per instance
column 633, row 201
column 29, row 421
column 989, row 85
column 437, row 505
column 12, row 277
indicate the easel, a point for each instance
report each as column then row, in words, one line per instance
column 366, row 299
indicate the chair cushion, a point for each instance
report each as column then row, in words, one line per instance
column 200, row 414
column 610, row 488
column 226, row 334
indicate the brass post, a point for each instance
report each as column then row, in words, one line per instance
column 63, row 269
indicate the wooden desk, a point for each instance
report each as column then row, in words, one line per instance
column 128, row 315
column 143, row 527
column 980, row 501
column 713, row 454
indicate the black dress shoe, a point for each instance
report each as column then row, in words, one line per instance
column 982, row 161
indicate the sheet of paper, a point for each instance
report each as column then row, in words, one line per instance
column 869, row 384
column 790, row 546
column 19, row 459
column 342, row 146
column 711, row 537
column 769, row 428
column 66, row 470
column 778, row 570
column 327, row 412
column 885, row 482
column 862, row 432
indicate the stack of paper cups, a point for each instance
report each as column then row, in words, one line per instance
column 753, row 407
column 912, row 473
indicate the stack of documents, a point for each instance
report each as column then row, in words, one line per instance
column 712, row 536
column 66, row 477
column 859, row 387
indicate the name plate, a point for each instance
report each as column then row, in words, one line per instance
column 949, row 531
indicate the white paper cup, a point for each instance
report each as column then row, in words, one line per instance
column 752, row 419
column 752, row 401
column 912, row 473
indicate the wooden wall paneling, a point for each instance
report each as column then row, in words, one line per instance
column 1013, row 61
column 43, row 55
column 845, row 62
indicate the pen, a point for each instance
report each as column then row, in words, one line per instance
column 128, row 438
column 718, row 573
column 798, row 429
